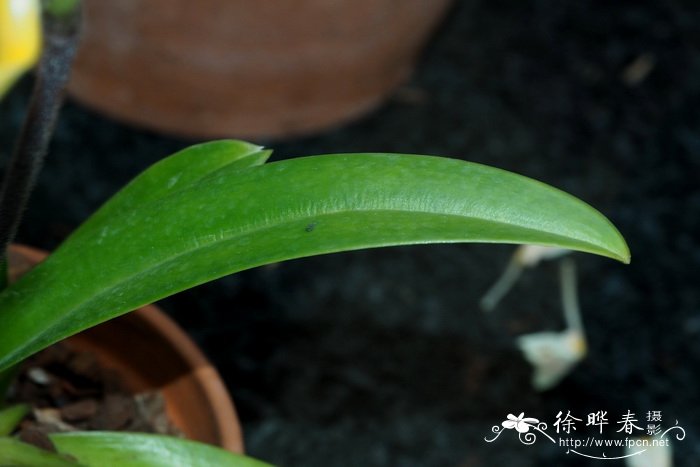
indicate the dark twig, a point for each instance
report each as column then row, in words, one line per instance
column 61, row 33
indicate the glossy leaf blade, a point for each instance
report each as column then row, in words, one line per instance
column 235, row 219
column 179, row 171
column 97, row 449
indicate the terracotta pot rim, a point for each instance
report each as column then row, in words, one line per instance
column 201, row 370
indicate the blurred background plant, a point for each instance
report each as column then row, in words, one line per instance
column 552, row 354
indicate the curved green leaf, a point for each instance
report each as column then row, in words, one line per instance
column 237, row 218
column 97, row 449
column 15, row 453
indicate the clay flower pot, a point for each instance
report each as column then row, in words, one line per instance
column 247, row 68
column 150, row 352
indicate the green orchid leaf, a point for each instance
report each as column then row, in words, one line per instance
column 18, row 454
column 11, row 416
column 237, row 218
column 97, row 449
column 179, row 171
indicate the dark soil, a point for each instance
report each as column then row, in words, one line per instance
column 69, row 391
column 382, row 358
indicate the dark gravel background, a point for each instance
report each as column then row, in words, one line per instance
column 381, row 358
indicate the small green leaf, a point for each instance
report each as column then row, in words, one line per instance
column 18, row 454
column 61, row 8
column 97, row 449
column 237, row 218
column 11, row 416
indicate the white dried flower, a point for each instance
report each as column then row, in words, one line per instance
column 531, row 255
column 552, row 354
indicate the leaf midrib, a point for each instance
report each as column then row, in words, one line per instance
column 174, row 258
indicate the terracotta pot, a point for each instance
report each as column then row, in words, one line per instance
column 151, row 352
column 247, row 68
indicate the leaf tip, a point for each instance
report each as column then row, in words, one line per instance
column 621, row 252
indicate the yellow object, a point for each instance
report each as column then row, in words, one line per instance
column 20, row 39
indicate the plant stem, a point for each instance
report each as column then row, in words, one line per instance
column 61, row 31
column 504, row 283
column 569, row 295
